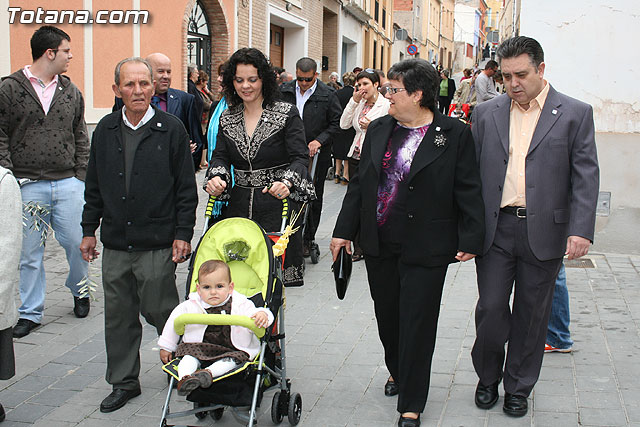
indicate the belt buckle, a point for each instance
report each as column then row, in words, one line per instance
column 521, row 215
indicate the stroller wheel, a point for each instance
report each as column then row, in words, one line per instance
column 295, row 409
column 276, row 411
column 315, row 253
column 216, row 414
column 200, row 415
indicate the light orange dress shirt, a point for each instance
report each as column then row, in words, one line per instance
column 522, row 125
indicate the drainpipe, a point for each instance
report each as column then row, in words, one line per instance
column 441, row 61
column 428, row 26
column 250, row 23
column 513, row 28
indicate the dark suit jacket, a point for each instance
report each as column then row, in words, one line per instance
column 344, row 95
column 451, row 88
column 444, row 203
column 321, row 115
column 345, row 137
column 182, row 105
column 562, row 175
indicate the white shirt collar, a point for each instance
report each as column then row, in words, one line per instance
column 308, row 92
column 147, row 116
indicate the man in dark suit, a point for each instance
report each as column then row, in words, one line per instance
column 174, row 101
column 540, row 178
column 320, row 111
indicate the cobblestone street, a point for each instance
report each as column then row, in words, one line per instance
column 335, row 359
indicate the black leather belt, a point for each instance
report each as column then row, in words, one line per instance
column 514, row 210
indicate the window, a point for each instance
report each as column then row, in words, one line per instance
column 382, row 57
column 384, row 18
column 375, row 51
column 376, row 11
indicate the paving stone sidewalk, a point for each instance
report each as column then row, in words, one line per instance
column 335, row 359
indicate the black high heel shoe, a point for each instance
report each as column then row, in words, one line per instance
column 391, row 388
column 409, row 422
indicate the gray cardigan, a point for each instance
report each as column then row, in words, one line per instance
column 10, row 246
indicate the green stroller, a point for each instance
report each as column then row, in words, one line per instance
column 257, row 273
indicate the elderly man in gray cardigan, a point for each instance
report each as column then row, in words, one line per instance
column 10, row 247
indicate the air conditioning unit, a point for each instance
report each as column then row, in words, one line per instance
column 401, row 34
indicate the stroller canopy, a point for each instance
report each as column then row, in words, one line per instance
column 245, row 247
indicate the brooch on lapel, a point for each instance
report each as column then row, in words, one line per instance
column 440, row 140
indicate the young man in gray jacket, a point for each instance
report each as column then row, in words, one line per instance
column 43, row 141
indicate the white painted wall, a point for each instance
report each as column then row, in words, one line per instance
column 296, row 34
column 350, row 31
column 5, row 41
column 591, row 54
column 464, row 23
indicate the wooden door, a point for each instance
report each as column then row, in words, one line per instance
column 276, row 45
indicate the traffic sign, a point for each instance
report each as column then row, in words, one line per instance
column 412, row 49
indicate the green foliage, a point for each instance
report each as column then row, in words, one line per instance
column 33, row 215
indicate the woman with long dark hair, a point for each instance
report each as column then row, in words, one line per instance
column 263, row 139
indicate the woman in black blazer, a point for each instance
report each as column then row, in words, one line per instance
column 417, row 204
column 445, row 100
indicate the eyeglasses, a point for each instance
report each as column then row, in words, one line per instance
column 384, row 90
column 304, row 79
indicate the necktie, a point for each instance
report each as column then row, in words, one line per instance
column 155, row 101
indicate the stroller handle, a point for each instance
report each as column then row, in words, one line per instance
column 212, row 199
column 216, row 319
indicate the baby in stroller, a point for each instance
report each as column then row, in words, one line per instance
column 216, row 348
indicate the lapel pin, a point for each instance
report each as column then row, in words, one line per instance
column 159, row 124
column 437, row 128
column 554, row 112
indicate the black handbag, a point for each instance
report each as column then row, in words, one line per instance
column 342, row 272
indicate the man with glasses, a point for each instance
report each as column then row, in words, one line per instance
column 320, row 111
column 485, row 85
column 43, row 141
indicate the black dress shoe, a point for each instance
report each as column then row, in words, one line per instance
column 391, row 388
column 2, row 414
column 81, row 307
column 514, row 405
column 23, row 327
column 408, row 422
column 486, row 396
column 117, row 399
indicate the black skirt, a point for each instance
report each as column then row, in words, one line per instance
column 342, row 143
column 266, row 210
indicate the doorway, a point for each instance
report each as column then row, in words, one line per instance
column 276, row 45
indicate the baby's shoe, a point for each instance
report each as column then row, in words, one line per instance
column 187, row 384
column 204, row 377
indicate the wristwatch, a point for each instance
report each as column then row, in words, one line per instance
column 287, row 183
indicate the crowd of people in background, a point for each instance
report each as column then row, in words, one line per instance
column 421, row 195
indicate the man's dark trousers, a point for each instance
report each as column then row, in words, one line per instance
column 510, row 259
column 313, row 220
column 134, row 283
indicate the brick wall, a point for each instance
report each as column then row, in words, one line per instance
column 220, row 38
column 403, row 5
column 330, row 43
